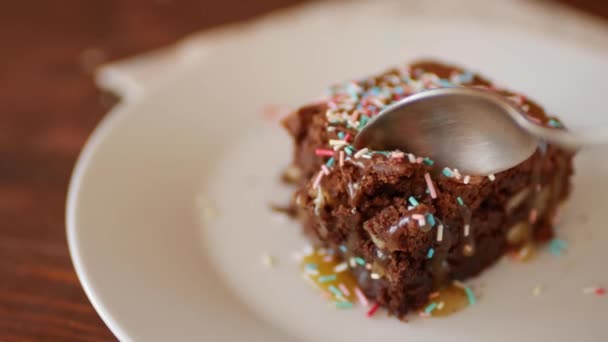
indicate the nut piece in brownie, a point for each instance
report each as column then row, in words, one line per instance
column 417, row 228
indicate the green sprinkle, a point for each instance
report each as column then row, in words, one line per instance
column 327, row 278
column 311, row 267
column 430, row 219
column 413, row 201
column 344, row 305
column 470, row 295
column 335, row 291
column 349, row 150
column 341, row 135
column 555, row 123
column 557, row 247
column 384, row 153
column 363, row 121
column 360, row 261
column 430, row 308
column 448, row 173
column 459, row 200
column 428, row 161
column 330, row 162
column 430, row 253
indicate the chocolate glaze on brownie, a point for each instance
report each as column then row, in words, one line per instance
column 377, row 205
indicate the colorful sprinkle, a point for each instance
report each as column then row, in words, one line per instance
column 467, row 179
column 326, row 278
column 341, row 267
column 361, row 152
column 467, row 229
column 430, row 253
column 492, row 177
column 430, row 219
column 342, row 248
column 459, row 200
column 361, row 297
column 430, row 308
column 554, row 123
column 447, row 172
column 428, row 161
column 373, row 310
column 413, row 201
column 341, row 163
column 558, row 247
column 334, row 290
column 440, row 233
column 324, row 153
column 344, row 305
column 411, row 158
column 360, row 261
column 470, row 295
column 533, row 216
column 430, row 185
column 344, row 289
column 348, row 150
column 330, row 162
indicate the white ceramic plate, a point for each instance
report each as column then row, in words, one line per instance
column 195, row 138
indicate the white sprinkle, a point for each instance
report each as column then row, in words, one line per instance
column 366, row 156
column 340, row 267
column 308, row 250
column 334, row 142
column 375, row 276
column 525, row 107
column 268, row 260
column 397, row 155
column 341, row 158
column 352, row 262
column 467, row 179
column 440, row 233
column 361, row 297
column 411, row 158
column 361, row 152
column 590, row 290
column 331, row 129
column 440, row 305
column 492, row 177
column 457, row 174
column 467, row 229
column 368, row 267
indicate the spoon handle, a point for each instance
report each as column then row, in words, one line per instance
column 570, row 140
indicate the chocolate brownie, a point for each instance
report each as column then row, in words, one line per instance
column 417, row 228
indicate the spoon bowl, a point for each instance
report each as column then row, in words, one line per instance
column 475, row 131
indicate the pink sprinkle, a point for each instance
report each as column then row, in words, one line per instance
column 324, row 153
column 419, row 160
column 533, row 119
column 418, row 217
column 533, row 216
column 344, row 289
column 424, row 314
column 325, row 170
column 347, row 137
column 429, row 184
column 361, row 297
column 328, row 258
column 341, row 158
column 373, row 310
column 317, row 180
column 600, row 291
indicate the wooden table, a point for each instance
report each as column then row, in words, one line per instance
column 48, row 107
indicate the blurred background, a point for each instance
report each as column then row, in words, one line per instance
column 48, row 107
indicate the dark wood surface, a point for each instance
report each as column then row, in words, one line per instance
column 48, row 106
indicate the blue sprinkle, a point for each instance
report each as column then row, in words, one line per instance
column 311, row 267
column 343, row 248
column 413, row 201
column 459, row 200
column 448, row 173
column 360, row 261
column 430, row 253
column 470, row 295
column 344, row 305
column 466, row 77
column 341, row 135
column 399, row 90
column 555, row 123
column 335, row 291
column 349, row 150
column 430, row 307
column 428, row 161
column 445, row 83
column 330, row 162
column 558, row 247
column 375, row 91
column 327, row 278
column 430, row 219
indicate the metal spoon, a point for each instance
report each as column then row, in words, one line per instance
column 475, row 131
